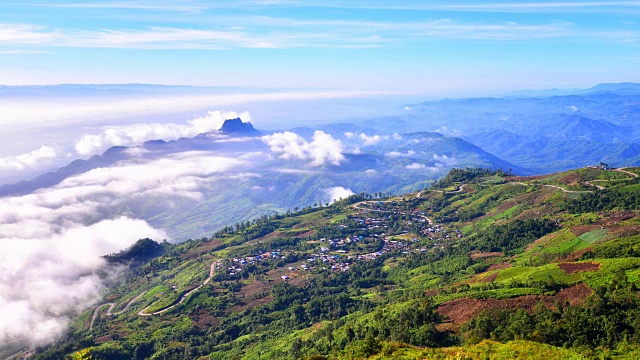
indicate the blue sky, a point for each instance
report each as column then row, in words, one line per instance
column 400, row 45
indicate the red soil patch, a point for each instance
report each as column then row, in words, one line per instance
column 615, row 217
column 444, row 327
column 102, row 339
column 475, row 255
column 432, row 292
column 305, row 234
column 571, row 268
column 266, row 237
column 623, row 231
column 583, row 229
column 524, row 178
column 254, row 288
column 203, row 248
column 571, row 179
column 574, row 256
column 503, row 207
column 462, row 310
column 204, row 321
column 490, row 278
column 500, row 266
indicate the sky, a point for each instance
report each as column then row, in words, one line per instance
column 428, row 47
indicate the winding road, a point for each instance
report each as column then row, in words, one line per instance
column 96, row 312
column 183, row 298
column 626, row 172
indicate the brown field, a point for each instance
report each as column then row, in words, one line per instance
column 571, row 268
column 462, row 310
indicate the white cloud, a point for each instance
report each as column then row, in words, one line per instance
column 323, row 149
column 416, row 166
column 337, row 193
column 46, row 112
column 139, row 133
column 349, row 135
column 51, row 241
column 181, row 8
column 46, row 280
column 572, row 108
column 395, row 136
column 444, row 159
column 371, row 172
column 372, row 140
column 399, row 154
column 22, row 52
column 34, row 159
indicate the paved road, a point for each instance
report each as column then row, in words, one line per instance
column 183, row 298
column 626, row 172
column 96, row 312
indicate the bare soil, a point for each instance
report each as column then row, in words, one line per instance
column 571, row 268
column 462, row 310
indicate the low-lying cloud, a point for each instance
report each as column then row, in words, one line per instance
column 51, row 241
column 31, row 160
column 372, row 139
column 139, row 133
column 46, row 280
column 337, row 193
column 323, row 148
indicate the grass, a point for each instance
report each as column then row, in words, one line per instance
column 338, row 218
column 524, row 274
column 608, row 269
column 486, row 294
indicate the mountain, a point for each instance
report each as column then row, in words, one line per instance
column 236, row 127
column 482, row 265
column 195, row 201
column 618, row 88
column 543, row 153
column 582, row 128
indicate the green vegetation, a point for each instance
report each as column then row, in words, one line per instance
column 496, row 270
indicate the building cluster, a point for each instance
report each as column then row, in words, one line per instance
column 237, row 264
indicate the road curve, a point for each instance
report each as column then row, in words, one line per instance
column 183, row 298
column 96, row 312
column 626, row 172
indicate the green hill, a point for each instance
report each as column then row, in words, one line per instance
column 482, row 265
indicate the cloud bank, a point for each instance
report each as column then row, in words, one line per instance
column 323, row 149
column 46, row 280
column 139, row 133
column 34, row 159
column 51, row 241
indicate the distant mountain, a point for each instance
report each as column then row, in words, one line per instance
column 236, row 127
column 618, row 88
column 542, row 153
column 580, row 127
column 390, row 163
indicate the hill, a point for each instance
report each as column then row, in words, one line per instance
column 483, row 264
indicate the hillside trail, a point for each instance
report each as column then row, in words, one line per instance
column 183, row 298
column 622, row 170
column 109, row 312
column 552, row 186
column 96, row 312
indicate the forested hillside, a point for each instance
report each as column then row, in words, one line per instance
column 484, row 264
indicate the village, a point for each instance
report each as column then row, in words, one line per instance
column 380, row 224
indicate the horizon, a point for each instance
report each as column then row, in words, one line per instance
column 431, row 48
